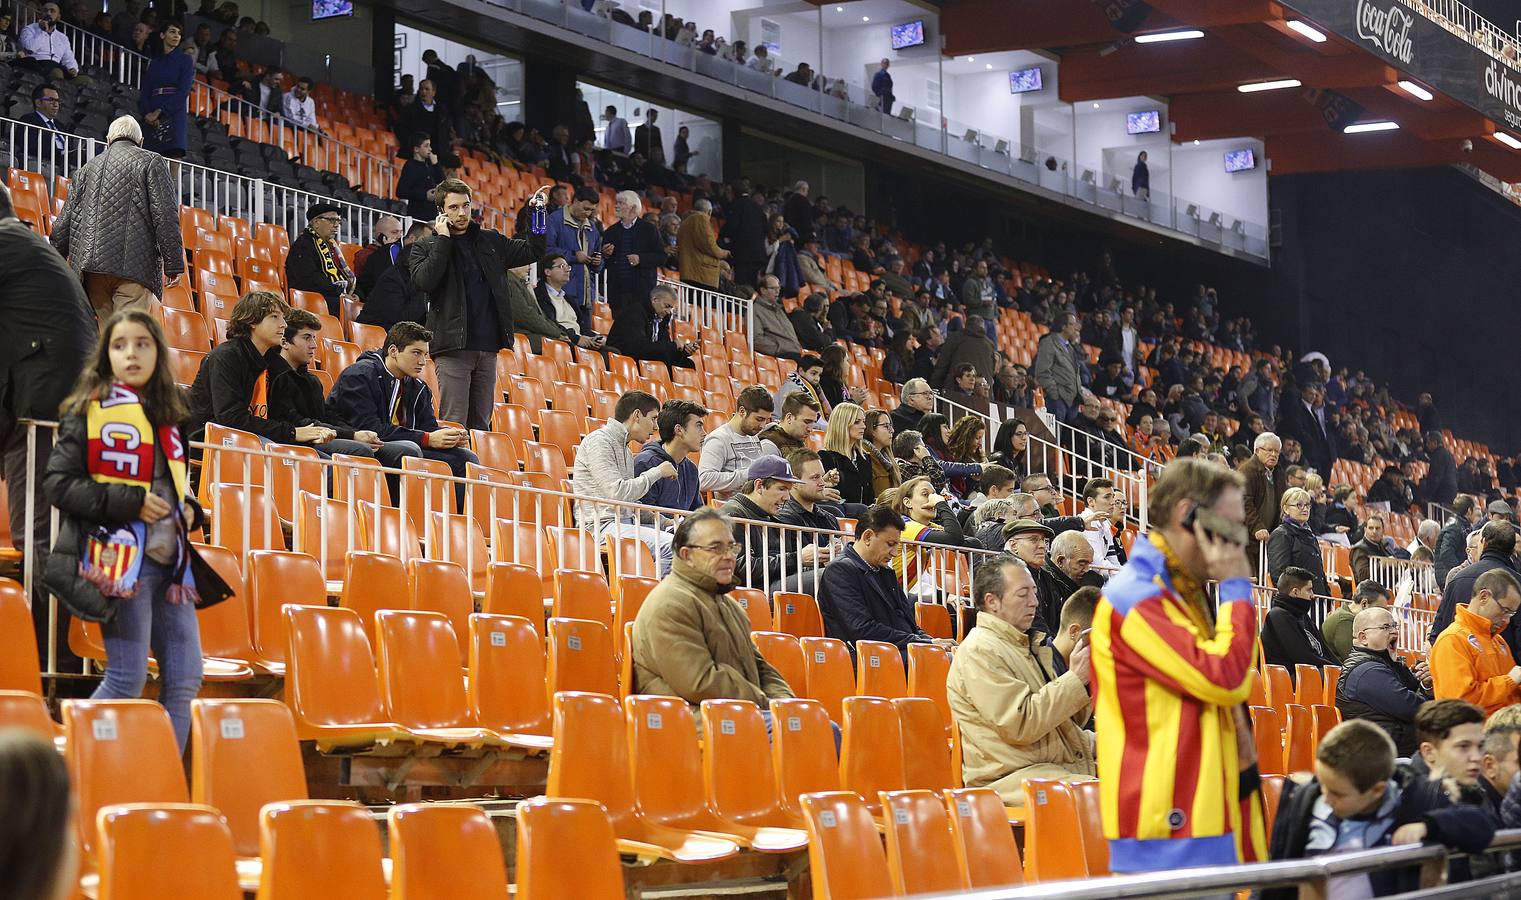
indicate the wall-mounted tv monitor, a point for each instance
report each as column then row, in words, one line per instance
column 331, row 9
column 1023, row 81
column 1148, row 122
column 1240, row 160
column 908, row 34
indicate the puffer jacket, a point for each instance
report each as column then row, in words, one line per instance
column 122, row 218
column 1018, row 719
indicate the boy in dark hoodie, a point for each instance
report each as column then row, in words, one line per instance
column 1360, row 799
column 383, row 393
column 295, row 394
column 681, row 428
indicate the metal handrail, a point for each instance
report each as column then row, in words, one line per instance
column 1471, row 27
column 713, row 311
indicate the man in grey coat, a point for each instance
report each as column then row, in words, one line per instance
column 969, row 345
column 120, row 226
column 1055, row 369
column 774, row 334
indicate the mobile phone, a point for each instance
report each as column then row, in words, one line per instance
column 1216, row 525
column 1082, row 637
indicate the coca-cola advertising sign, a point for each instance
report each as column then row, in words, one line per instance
column 1388, row 27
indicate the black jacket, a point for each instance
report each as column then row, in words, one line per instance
column 546, row 306
column 793, row 513
column 49, row 327
column 765, row 557
column 415, row 185
column 393, row 298
column 1441, row 482
column 1295, row 421
column 905, row 418
column 295, row 398
column 304, row 271
column 1466, row 828
column 362, row 398
column 638, row 334
column 744, row 231
column 1451, row 548
column 1292, row 544
column 811, row 335
column 1460, row 590
column 627, row 283
column 1378, row 687
column 434, row 274
column 224, row 388
column 376, row 264
column 855, row 476
column 860, row 603
column 1290, row 638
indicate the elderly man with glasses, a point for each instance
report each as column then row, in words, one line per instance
column 315, row 262
column 1376, row 685
column 1469, row 659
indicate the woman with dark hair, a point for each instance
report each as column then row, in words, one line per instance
column 898, row 364
column 832, row 381
column 165, row 101
column 965, row 446
column 1011, row 446
column 38, row 858
column 936, row 432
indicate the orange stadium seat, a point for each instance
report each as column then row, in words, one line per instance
column 320, row 848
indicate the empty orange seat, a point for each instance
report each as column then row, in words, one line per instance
column 921, row 856
column 826, row 663
column 444, row 850
column 798, row 614
column 119, row 751
column 137, row 839
column 580, row 657
column 320, row 848
column 879, row 670
column 244, row 754
column 505, row 684
column 1051, row 822
column 330, row 682
column 545, row 828
column 986, row 852
column 845, row 855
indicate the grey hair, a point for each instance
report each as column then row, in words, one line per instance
column 125, row 127
column 702, row 206
column 1024, row 500
column 1267, row 439
column 1063, row 544
column 912, row 385
column 663, row 289
column 990, row 510
column 629, row 197
column 682, row 538
column 800, row 186
column 1428, row 528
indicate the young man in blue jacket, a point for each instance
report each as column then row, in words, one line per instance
column 681, row 428
column 383, row 393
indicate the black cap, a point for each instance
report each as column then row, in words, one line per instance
column 321, row 209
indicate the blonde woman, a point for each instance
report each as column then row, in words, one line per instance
column 1294, row 544
column 847, row 455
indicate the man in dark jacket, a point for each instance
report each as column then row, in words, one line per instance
column 232, row 386
column 680, row 425
column 1451, row 548
column 49, row 332
column 798, row 211
column 744, row 234
column 383, row 393
column 393, row 298
column 1304, row 420
column 969, row 345
column 1030, row 540
column 811, row 503
column 1289, row 637
column 295, row 394
column 643, row 331
column 378, row 256
column 1499, row 543
column 572, row 321
column 1264, row 485
column 419, row 176
column 633, row 253
column 812, row 327
column 766, row 560
column 1372, row 544
column 1441, row 481
column 315, row 261
column 462, row 269
column 1375, row 685
column 860, row 597
column 917, row 398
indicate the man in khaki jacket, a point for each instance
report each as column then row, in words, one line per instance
column 690, row 639
column 1018, row 719
column 697, row 252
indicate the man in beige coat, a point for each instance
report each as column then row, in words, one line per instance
column 1017, row 718
column 690, row 639
column 697, row 252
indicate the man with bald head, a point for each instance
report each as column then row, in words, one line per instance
column 1377, row 686
column 1071, row 563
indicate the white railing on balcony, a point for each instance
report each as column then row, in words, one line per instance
column 1460, row 19
column 714, row 313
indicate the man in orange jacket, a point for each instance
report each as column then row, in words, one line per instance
column 1470, row 661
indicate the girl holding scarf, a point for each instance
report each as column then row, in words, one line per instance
column 119, row 477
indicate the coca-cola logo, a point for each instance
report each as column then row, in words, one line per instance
column 1388, row 29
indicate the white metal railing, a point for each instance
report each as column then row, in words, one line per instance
column 1461, row 20
column 713, row 312
column 1413, row 623
column 1403, row 575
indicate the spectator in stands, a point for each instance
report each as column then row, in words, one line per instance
column 1070, row 559
column 568, row 317
column 42, row 305
column 917, row 398
column 1425, row 537
column 1441, row 482
column 647, row 139
column 425, row 115
column 680, row 426
column 393, row 298
column 462, row 269
column 561, row 162
column 419, row 176
column 1140, row 179
column 697, row 251
column 37, row 152
column 224, row 59
column 1076, row 623
column 642, row 330
column 813, row 503
column 1289, row 637
column 1055, row 370
column 120, row 224
column 799, row 412
column 1360, row 799
column 126, row 397
column 385, row 236
column 969, row 345
column 879, row 438
column 805, row 380
column 798, row 209
column 232, row 387
column 730, row 449
column 47, row 47
column 1499, row 546
column 575, row 232
column 1376, row 685
column 1451, row 735
column 616, row 137
column 1498, row 767
column 1391, row 488
column 996, row 483
column 604, row 470
column 1164, row 583
column 1450, row 543
column 1103, row 507
column 1263, row 488
column 1372, row 544
column 691, row 641
column 633, row 253
column 266, row 93
column 1293, row 544
column 383, row 393
column 316, row 263
column 773, row 334
column 1337, row 627
column 772, row 562
column 811, row 324
column 1470, row 659
column 298, row 106
column 1017, row 720
column 929, row 519
column 165, row 95
column 295, row 394
column 744, row 233
column 882, row 88
column 861, row 595
column 963, row 445
column 1029, row 540
column 39, row 859
column 1305, row 421
column 848, row 455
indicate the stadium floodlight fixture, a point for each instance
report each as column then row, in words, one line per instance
column 1160, row 37
column 1307, row 31
column 1278, row 85
column 1507, row 140
column 1364, row 127
column 1415, row 90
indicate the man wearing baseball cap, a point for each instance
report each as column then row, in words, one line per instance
column 770, row 558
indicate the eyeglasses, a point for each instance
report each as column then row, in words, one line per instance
column 1389, row 627
column 1508, row 611
column 335, row 220
column 1300, row 505
column 727, row 548
column 49, row 99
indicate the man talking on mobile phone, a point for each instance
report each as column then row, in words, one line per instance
column 462, row 268
column 1171, row 670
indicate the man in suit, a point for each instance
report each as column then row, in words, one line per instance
column 744, row 233
column 1304, row 420
column 1264, row 485
column 266, row 93
column 647, row 139
column 643, row 330
column 39, row 151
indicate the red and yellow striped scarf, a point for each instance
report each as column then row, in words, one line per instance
column 122, row 442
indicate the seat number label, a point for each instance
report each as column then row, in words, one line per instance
column 232, row 729
column 654, row 721
column 827, row 819
column 963, row 809
column 726, row 726
column 573, row 642
column 498, row 639
column 900, row 816
column 819, row 657
column 876, row 662
column 794, row 723
column 103, row 729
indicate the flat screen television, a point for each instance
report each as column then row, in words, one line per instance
column 1148, row 122
column 1240, row 160
column 1023, row 81
column 908, row 34
column 331, row 9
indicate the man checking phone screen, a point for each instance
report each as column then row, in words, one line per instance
column 1171, row 671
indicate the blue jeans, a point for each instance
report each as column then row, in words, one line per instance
column 1060, row 409
column 149, row 621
